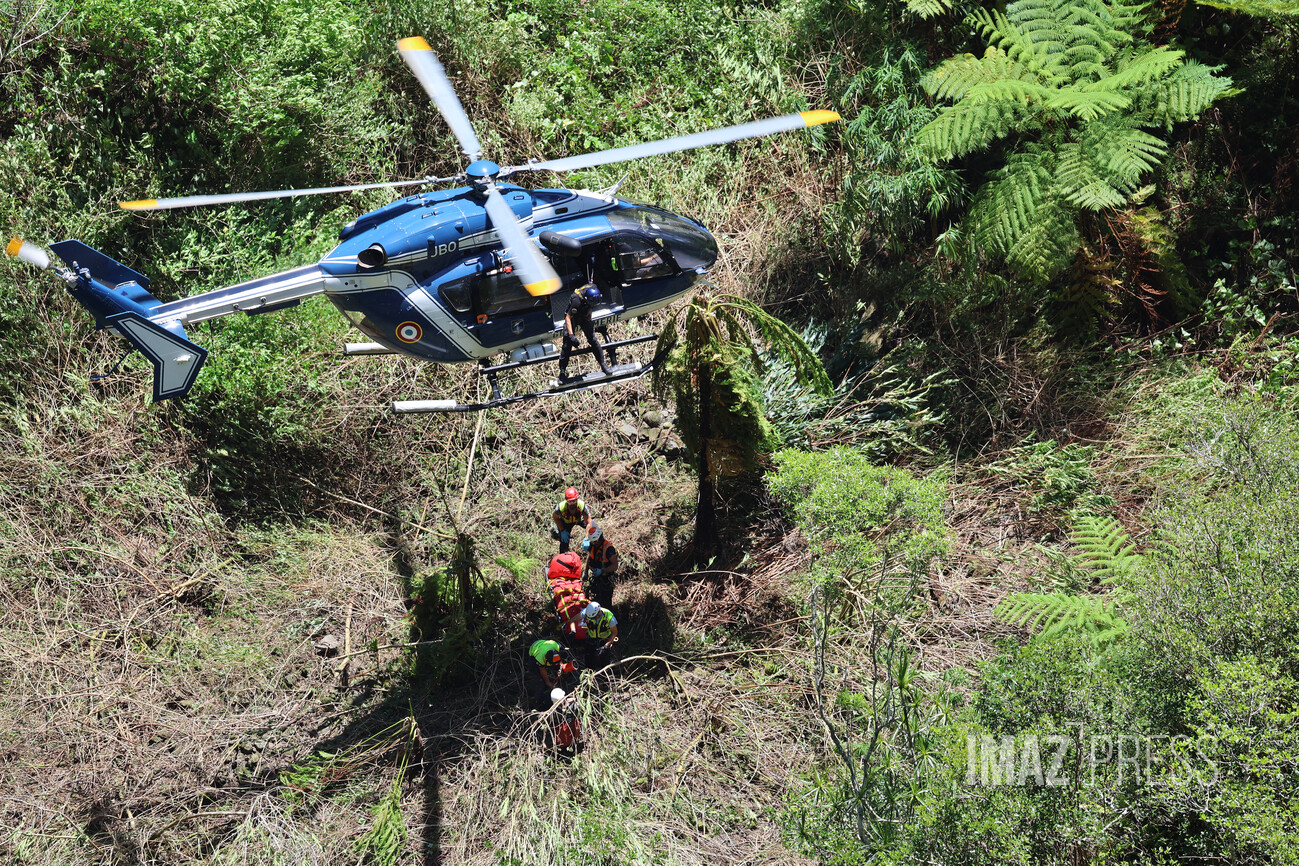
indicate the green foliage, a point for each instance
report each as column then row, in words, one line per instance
column 1077, row 86
column 1260, row 8
column 521, row 568
column 384, row 841
column 891, row 187
column 874, row 532
column 1225, row 585
column 882, row 412
column 928, row 8
column 874, row 529
column 1107, row 555
column 1058, row 478
column 1057, row 612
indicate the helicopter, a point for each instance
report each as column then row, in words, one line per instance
column 466, row 274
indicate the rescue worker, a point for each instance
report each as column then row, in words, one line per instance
column 553, row 661
column 578, row 315
column 601, row 634
column 601, row 566
column 568, row 514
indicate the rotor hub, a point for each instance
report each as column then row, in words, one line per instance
column 483, row 169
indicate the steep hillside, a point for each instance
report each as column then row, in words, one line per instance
column 1045, row 509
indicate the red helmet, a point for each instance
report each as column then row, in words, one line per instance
column 571, row 494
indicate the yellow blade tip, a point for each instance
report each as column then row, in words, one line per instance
column 14, row 246
column 816, row 118
column 139, row 204
column 413, row 43
column 543, row 287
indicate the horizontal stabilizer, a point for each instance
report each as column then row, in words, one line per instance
column 176, row 361
column 108, row 271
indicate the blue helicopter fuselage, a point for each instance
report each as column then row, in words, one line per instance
column 425, row 275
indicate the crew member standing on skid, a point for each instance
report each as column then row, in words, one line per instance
column 578, row 315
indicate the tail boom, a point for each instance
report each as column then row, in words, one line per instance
column 119, row 299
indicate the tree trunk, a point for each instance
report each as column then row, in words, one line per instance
column 705, row 518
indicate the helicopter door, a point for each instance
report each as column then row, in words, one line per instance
column 501, row 293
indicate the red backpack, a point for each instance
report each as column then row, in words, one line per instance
column 565, row 566
column 566, row 590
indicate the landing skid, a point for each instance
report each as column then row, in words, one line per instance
column 583, row 382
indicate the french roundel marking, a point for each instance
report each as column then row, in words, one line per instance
column 409, row 332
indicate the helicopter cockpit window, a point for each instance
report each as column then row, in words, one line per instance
column 689, row 245
column 642, row 259
column 504, row 293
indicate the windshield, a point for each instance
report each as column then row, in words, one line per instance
column 690, row 245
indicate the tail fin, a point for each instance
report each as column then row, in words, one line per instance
column 176, row 361
column 118, row 297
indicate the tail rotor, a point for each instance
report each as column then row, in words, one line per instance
column 28, row 252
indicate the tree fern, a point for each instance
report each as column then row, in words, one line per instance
column 1087, row 293
column 1077, row 86
column 1106, row 553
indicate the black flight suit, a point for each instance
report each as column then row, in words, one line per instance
column 579, row 313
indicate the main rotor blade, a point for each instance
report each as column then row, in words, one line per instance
column 234, row 197
column 724, row 135
column 28, row 252
column 538, row 277
column 424, row 63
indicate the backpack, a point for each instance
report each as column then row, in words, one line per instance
column 565, row 566
column 565, row 579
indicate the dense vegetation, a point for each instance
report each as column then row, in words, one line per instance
column 1017, row 583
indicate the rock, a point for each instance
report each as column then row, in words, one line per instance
column 327, row 646
column 629, row 431
column 653, row 418
column 672, row 447
column 611, row 472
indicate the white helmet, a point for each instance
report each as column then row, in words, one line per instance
column 556, row 695
column 592, row 610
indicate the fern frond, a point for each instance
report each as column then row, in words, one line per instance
column 1088, row 104
column 1087, row 293
column 1187, row 92
column 1008, row 205
column 1031, row 43
column 1047, row 247
column 1107, row 550
column 1150, row 66
column 966, row 127
column 1094, row 24
column 1054, row 613
column 927, row 9
column 1132, row 17
column 1126, row 153
column 954, row 77
column 1085, row 61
